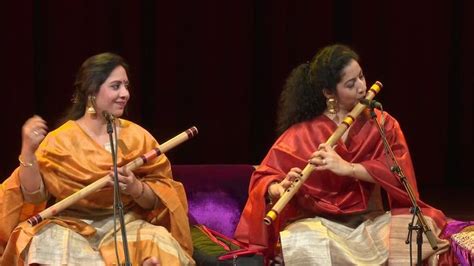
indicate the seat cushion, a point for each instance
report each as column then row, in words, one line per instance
column 216, row 193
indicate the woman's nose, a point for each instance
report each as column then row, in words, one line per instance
column 361, row 85
column 124, row 90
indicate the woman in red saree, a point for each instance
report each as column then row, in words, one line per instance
column 337, row 217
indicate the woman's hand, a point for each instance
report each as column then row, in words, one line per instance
column 32, row 133
column 327, row 159
column 141, row 193
column 128, row 183
column 275, row 190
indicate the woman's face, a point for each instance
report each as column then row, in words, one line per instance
column 352, row 87
column 113, row 94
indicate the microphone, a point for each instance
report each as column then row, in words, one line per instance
column 108, row 116
column 371, row 103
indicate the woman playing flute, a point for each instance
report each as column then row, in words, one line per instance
column 337, row 217
column 56, row 164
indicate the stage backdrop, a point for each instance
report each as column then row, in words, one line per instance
column 220, row 65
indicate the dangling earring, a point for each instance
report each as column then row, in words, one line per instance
column 331, row 104
column 90, row 105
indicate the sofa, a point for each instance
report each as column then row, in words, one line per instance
column 216, row 193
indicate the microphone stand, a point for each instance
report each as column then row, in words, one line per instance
column 118, row 201
column 421, row 225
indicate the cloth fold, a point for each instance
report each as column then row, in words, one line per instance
column 324, row 193
column 69, row 160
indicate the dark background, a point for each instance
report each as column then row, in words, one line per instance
column 220, row 65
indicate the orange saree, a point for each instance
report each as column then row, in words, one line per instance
column 69, row 160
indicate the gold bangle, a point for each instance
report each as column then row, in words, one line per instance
column 141, row 193
column 353, row 170
column 25, row 164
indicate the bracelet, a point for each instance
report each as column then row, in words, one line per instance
column 25, row 164
column 141, row 192
column 353, row 170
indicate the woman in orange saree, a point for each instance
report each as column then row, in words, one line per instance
column 56, row 164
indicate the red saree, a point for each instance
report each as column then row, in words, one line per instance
column 324, row 193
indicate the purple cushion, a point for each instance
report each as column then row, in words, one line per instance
column 455, row 231
column 216, row 193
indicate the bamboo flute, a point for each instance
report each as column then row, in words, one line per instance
column 139, row 161
column 298, row 182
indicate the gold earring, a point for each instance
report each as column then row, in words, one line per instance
column 331, row 104
column 90, row 105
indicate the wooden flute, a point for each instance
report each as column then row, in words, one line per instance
column 139, row 161
column 298, row 182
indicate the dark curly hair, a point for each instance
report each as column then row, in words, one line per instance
column 91, row 75
column 302, row 97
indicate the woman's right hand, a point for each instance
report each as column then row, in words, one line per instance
column 276, row 190
column 32, row 133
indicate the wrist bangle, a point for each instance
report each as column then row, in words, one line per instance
column 25, row 164
column 141, row 192
column 353, row 170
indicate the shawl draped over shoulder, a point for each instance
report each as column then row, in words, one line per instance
column 325, row 193
column 69, row 160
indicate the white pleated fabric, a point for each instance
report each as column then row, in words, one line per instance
column 318, row 241
column 381, row 241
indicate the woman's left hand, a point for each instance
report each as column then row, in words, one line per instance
column 128, row 183
column 327, row 159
